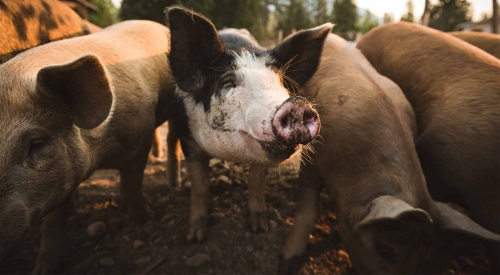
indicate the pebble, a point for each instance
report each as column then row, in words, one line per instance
column 249, row 248
column 224, row 179
column 143, row 261
column 107, row 261
column 273, row 224
column 137, row 244
column 126, row 239
column 198, row 259
column 167, row 217
column 162, row 200
column 218, row 215
column 96, row 229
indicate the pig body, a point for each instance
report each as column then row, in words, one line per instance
column 25, row 24
column 488, row 42
column 454, row 89
column 71, row 107
column 234, row 101
column 368, row 164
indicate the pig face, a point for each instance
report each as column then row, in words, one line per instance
column 237, row 95
column 42, row 157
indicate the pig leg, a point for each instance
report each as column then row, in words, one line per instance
column 131, row 189
column 174, row 157
column 53, row 245
column 200, row 183
column 310, row 185
column 256, row 197
column 157, row 148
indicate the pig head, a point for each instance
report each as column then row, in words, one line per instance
column 41, row 150
column 236, row 94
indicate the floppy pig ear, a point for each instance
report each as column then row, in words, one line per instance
column 195, row 44
column 458, row 228
column 83, row 85
column 303, row 51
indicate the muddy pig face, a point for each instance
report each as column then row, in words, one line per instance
column 236, row 94
column 41, row 154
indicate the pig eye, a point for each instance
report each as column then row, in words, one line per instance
column 386, row 252
column 228, row 84
column 35, row 145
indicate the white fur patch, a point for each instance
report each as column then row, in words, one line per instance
column 239, row 117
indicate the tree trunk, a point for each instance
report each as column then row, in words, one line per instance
column 427, row 13
column 494, row 17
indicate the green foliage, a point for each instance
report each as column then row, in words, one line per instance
column 321, row 15
column 345, row 17
column 388, row 18
column 367, row 22
column 447, row 14
column 293, row 15
column 408, row 17
column 106, row 15
column 223, row 13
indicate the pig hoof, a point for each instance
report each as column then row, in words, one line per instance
column 198, row 230
column 259, row 222
column 290, row 266
column 48, row 263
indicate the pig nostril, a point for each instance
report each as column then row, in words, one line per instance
column 308, row 117
column 284, row 122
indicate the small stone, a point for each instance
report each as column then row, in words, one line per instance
column 97, row 247
column 214, row 162
column 217, row 215
column 224, row 179
column 96, row 229
column 126, row 239
column 115, row 224
column 107, row 261
column 249, row 248
column 198, row 259
column 143, row 261
column 137, row 244
column 162, row 201
column 247, row 234
column 273, row 224
column 167, row 217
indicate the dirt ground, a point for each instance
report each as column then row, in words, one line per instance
column 159, row 247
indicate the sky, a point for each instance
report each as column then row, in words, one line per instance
column 398, row 7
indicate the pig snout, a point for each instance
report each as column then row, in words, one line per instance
column 296, row 121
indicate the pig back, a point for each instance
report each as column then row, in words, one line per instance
column 454, row 89
column 487, row 42
column 26, row 23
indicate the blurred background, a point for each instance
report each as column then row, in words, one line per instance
column 271, row 20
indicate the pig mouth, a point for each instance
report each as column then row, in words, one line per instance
column 278, row 152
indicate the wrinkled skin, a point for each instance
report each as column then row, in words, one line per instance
column 66, row 114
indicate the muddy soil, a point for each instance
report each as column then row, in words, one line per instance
column 159, row 247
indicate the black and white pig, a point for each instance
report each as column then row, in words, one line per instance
column 235, row 102
column 71, row 107
column 369, row 166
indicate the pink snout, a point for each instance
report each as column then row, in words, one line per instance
column 296, row 121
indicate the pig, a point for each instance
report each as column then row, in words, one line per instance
column 368, row 164
column 73, row 106
column 454, row 89
column 28, row 23
column 488, row 42
column 234, row 101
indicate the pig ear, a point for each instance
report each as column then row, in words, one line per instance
column 83, row 85
column 302, row 51
column 457, row 229
column 195, row 45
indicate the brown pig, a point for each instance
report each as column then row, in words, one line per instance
column 71, row 107
column 488, row 42
column 25, row 24
column 454, row 89
column 368, row 164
